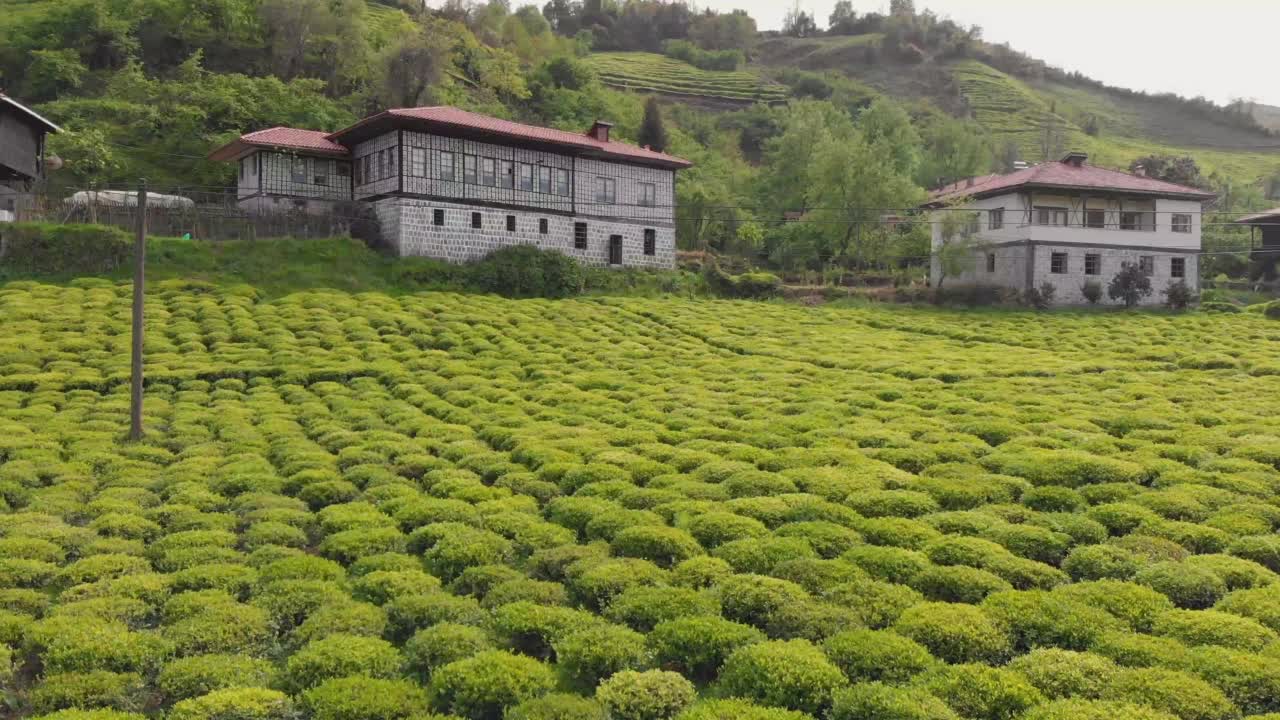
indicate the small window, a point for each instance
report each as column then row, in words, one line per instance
column 391, row 161
column 299, row 170
column 526, row 177
column 382, row 164
column 991, row 262
column 542, row 226
column 650, row 241
column 579, row 236
column 995, row 218
column 1178, row 267
column 1131, row 221
column 506, row 174
column 544, row 180
column 322, row 171
column 615, row 249
column 243, row 163
column 562, row 182
column 605, row 190
column 1051, row 216
column 418, row 162
column 437, row 217
column 648, row 194
column 511, row 223
column 367, row 175
column 344, row 169
column 1147, row 264
column 446, row 170
column 1058, row 263
column 469, row 169
column 487, row 176
column 1182, row 223
column 476, row 221
column 1092, row 264
column 1095, row 218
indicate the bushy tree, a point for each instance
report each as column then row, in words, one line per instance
column 1129, row 285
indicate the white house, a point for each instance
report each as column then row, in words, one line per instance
column 1069, row 223
column 456, row 185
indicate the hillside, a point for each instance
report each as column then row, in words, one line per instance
column 674, row 79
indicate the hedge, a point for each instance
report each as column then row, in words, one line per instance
column 47, row 248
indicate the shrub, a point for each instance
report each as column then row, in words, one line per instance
column 527, row 271
column 958, row 584
column 83, row 690
column 341, row 656
column 1100, row 562
column 1065, row 673
column 442, row 644
column 700, row 58
column 414, row 612
column 700, row 572
column 648, row 695
column 642, row 607
column 532, row 629
column 1177, row 295
column 526, row 589
column 1035, row 618
column 1092, row 291
column 1187, row 586
column 201, row 674
column 664, row 546
column 978, row 691
column 482, row 686
column 762, row 555
column 878, row 604
column 1178, row 693
column 877, row 656
column 557, row 706
column 874, row 701
column 1262, row 549
column 816, row 575
column 956, row 633
column 365, row 698
column 1134, row 604
column 382, row 586
column 348, row 618
column 698, row 646
column 1251, row 681
column 91, row 715
column 716, row 528
column 1076, row 709
column 734, row 709
column 1261, row 604
column 891, row 564
column 65, row 249
column 1130, row 649
column 1209, row 627
column 1129, row 285
column 239, row 703
column 591, row 654
column 753, row 599
column 792, row 674
column 1041, row 297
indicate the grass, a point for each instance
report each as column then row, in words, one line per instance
column 650, row 72
column 343, row 495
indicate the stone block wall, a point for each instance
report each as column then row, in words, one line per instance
column 409, row 226
column 1111, row 259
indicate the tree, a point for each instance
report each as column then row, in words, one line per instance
column 724, row 31
column 412, row 67
column 955, row 250
column 1170, row 168
column 842, row 18
column 1129, row 285
column 653, row 133
column 886, row 122
column 798, row 23
column 954, row 149
column 902, row 8
column 1051, row 137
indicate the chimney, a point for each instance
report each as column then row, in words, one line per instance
column 600, row 130
column 1139, row 170
column 1075, row 158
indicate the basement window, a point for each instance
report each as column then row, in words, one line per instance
column 1058, row 263
column 542, row 226
column 991, row 262
column 1177, row 267
column 579, row 236
column 511, row 223
column 477, row 221
column 1093, row 264
column 437, row 217
column 650, row 241
column 1147, row 263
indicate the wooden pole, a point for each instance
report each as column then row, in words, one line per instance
column 139, row 268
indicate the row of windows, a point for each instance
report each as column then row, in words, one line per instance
column 579, row 233
column 1060, row 217
column 1059, row 264
column 302, row 170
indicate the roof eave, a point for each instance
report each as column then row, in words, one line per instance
column 48, row 124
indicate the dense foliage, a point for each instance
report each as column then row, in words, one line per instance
column 449, row 506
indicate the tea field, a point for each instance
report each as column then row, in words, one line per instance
column 650, row 72
column 360, row 506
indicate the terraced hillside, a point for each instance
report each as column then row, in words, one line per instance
column 359, row 506
column 649, row 72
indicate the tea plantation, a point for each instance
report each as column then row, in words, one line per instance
column 374, row 507
column 650, row 72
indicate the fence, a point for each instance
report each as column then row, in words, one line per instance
column 177, row 212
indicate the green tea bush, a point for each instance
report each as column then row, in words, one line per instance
column 874, row 701
column 754, row 599
column 980, row 691
column 953, row 632
column 1035, row 618
column 792, row 674
column 442, row 644
column 1094, row 710
column 202, row 674
column 1065, row 673
column 366, row 698
column 47, row 248
column 643, row 607
column 1187, row 586
column 1100, row 562
column 482, row 686
column 1180, row 694
column 99, row 688
column 958, row 584
column 665, row 546
column 557, row 706
column 592, row 654
column 733, row 709
column 241, row 703
column 877, row 656
column 877, row 604
column 648, row 695
column 1209, row 627
column 339, row 656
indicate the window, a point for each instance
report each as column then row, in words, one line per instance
column 1051, row 216
column 526, row 177
column 650, row 241
column 511, row 223
column 506, row 174
column 579, row 236
column 322, row 170
column 1132, row 221
column 1095, row 218
column 476, row 221
column 1177, row 267
column 243, row 162
column 487, row 176
column 615, row 249
column 418, row 162
column 605, row 190
column 991, row 262
column 544, row 180
column 1182, row 223
column 447, row 170
column 367, row 175
column 1093, row 264
column 344, row 170
column 299, row 170
column 542, row 226
column 1058, row 263
column 972, row 224
column 437, row 217
column 469, row 169
column 648, row 195
column 995, row 218
column 1147, row 264
column 391, row 162
column 382, row 165
column 562, row 182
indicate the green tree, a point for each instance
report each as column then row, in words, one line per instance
column 1170, row 168
column 653, row 133
column 1129, row 285
column 953, row 149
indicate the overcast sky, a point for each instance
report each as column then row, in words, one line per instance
column 1222, row 49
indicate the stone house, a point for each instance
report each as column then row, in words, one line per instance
column 1068, row 223
column 456, row 185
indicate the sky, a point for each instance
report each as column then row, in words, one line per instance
column 1223, row 50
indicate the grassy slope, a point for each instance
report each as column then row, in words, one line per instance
column 652, row 72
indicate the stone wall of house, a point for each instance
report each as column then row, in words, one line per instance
column 408, row 225
column 1111, row 259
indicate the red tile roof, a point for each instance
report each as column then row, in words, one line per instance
column 306, row 141
column 1066, row 176
column 451, row 117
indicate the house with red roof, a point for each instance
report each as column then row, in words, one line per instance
column 1066, row 223
column 456, row 185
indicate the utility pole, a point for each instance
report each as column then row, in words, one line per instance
column 139, row 285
